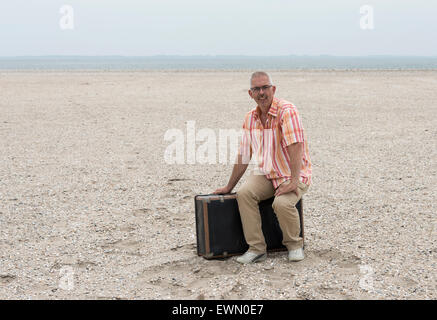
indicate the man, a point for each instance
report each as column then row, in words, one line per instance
column 274, row 134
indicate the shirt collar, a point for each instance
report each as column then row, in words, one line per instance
column 273, row 110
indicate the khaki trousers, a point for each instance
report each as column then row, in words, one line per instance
column 256, row 189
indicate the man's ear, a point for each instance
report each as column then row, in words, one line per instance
column 250, row 93
column 274, row 89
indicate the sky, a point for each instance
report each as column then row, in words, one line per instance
column 218, row 27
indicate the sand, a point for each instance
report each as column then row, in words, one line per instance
column 90, row 210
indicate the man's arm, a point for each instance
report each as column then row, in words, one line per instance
column 295, row 155
column 237, row 172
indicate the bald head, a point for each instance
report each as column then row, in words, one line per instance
column 258, row 74
column 262, row 89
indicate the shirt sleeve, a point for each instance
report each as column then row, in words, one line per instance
column 291, row 127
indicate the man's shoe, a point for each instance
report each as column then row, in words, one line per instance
column 252, row 257
column 296, row 255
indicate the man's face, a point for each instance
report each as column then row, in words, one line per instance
column 262, row 91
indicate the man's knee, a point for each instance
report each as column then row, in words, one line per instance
column 244, row 192
column 284, row 204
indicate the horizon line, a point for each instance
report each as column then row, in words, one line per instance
column 220, row 55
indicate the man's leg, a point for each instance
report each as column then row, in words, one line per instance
column 254, row 190
column 288, row 216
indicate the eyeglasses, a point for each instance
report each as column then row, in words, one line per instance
column 257, row 89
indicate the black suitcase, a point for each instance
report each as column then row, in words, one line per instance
column 220, row 233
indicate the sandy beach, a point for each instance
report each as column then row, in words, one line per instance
column 89, row 209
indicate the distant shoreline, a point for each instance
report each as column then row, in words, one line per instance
column 205, row 70
column 212, row 56
column 209, row 63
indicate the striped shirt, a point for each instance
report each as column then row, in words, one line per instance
column 268, row 144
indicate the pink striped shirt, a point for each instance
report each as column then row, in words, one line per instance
column 268, row 144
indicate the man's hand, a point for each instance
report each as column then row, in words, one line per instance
column 286, row 187
column 224, row 190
